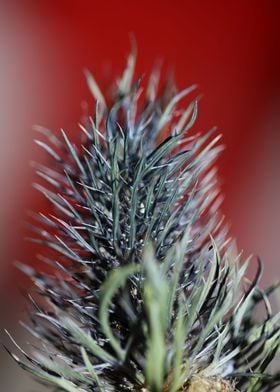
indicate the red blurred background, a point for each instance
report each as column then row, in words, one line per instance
column 231, row 49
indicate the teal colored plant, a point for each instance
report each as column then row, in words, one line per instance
column 147, row 292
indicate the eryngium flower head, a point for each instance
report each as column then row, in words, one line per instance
column 146, row 292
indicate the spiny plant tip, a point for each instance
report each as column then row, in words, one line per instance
column 146, row 292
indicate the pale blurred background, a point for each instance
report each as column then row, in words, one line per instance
column 231, row 49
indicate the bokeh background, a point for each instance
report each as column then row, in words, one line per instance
column 230, row 48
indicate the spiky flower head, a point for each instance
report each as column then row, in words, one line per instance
column 146, row 292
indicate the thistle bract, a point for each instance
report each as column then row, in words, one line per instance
column 146, row 291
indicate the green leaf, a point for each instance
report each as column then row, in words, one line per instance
column 91, row 370
column 86, row 340
column 180, row 365
column 155, row 303
column 113, row 283
column 94, row 88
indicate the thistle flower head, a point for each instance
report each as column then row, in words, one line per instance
column 146, row 293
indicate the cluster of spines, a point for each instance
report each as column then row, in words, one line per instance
column 122, row 314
